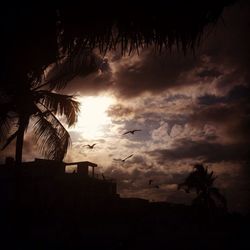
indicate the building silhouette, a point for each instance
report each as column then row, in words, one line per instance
column 47, row 185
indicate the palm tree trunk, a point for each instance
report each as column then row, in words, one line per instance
column 19, row 152
column 19, row 141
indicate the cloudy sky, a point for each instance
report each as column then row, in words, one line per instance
column 190, row 109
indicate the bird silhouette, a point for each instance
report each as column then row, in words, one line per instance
column 90, row 146
column 123, row 160
column 131, row 131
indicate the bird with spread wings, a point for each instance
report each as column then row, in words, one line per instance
column 131, row 131
column 123, row 160
column 90, row 146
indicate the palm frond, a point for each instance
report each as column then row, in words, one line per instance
column 52, row 138
column 60, row 105
column 201, row 180
column 162, row 24
column 7, row 121
column 82, row 64
column 5, row 125
column 10, row 139
column 184, row 187
column 215, row 193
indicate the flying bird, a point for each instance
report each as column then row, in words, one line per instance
column 90, row 146
column 131, row 131
column 123, row 160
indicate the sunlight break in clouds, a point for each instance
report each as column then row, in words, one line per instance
column 93, row 117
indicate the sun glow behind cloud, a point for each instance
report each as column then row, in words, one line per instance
column 93, row 117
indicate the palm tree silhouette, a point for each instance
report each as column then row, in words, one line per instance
column 32, row 43
column 36, row 99
column 201, row 181
column 139, row 28
column 35, row 38
column 31, row 105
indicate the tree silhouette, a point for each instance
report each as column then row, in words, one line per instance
column 39, row 108
column 31, row 40
column 34, row 37
column 134, row 25
column 35, row 99
column 202, row 182
column 34, row 96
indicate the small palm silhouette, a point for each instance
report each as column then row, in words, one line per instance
column 202, row 182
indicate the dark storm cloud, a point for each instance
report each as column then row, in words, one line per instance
column 224, row 57
column 172, row 98
column 230, row 114
column 210, row 99
column 236, row 94
column 153, row 73
column 216, row 114
column 203, row 150
column 229, row 46
column 209, row 73
column 227, row 50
